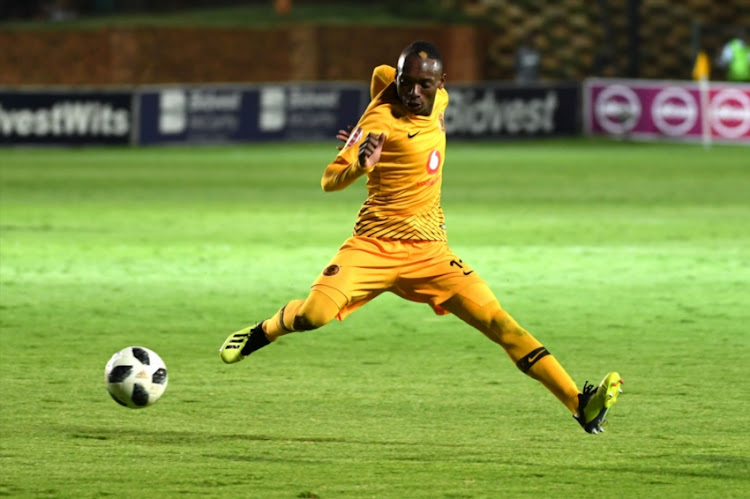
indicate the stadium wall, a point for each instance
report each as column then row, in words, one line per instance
column 576, row 40
column 209, row 55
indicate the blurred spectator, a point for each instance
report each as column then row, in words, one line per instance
column 60, row 10
column 735, row 58
column 528, row 60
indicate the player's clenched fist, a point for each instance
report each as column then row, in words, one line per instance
column 370, row 149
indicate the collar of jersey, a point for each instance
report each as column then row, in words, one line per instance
column 419, row 117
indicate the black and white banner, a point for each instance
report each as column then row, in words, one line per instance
column 223, row 114
column 216, row 114
column 486, row 111
column 65, row 117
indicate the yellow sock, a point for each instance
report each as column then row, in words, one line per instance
column 282, row 321
column 302, row 315
column 548, row 371
column 535, row 361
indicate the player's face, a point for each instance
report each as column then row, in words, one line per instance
column 417, row 81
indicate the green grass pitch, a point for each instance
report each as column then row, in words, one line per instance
column 624, row 256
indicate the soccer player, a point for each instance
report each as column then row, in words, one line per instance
column 399, row 242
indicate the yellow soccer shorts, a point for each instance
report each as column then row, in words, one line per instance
column 420, row 271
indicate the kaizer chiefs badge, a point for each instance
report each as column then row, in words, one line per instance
column 331, row 270
column 441, row 119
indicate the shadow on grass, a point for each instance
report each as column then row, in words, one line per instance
column 174, row 437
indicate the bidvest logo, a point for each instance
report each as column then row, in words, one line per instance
column 272, row 116
column 297, row 107
column 200, row 110
column 69, row 118
column 617, row 109
column 490, row 113
column 172, row 111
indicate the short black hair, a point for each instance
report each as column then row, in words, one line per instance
column 422, row 46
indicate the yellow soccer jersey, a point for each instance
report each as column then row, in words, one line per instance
column 404, row 187
column 382, row 76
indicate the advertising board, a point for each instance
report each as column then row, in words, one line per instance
column 225, row 114
column 52, row 116
column 683, row 111
column 487, row 111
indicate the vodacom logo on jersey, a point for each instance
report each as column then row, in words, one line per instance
column 433, row 162
column 433, row 166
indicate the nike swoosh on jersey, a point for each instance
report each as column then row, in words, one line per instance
column 412, row 135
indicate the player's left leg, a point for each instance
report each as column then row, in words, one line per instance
column 478, row 306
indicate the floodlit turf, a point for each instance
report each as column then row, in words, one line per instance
column 633, row 257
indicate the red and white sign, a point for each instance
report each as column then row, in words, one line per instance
column 643, row 109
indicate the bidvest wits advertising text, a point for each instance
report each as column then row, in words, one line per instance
column 511, row 111
column 65, row 117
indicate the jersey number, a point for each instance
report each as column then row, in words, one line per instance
column 460, row 265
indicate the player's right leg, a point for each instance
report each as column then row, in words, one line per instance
column 297, row 315
column 478, row 306
column 361, row 270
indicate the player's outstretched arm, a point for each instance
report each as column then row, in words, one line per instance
column 346, row 168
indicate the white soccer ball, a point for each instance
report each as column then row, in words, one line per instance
column 136, row 377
